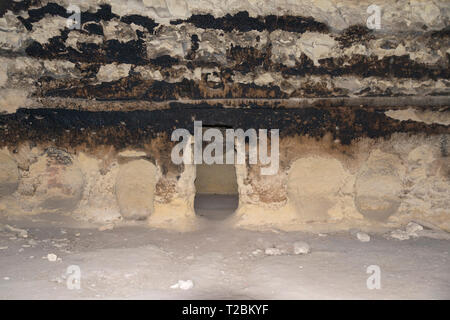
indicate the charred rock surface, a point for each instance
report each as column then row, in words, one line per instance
column 71, row 128
column 242, row 22
column 79, row 83
column 363, row 114
column 206, row 56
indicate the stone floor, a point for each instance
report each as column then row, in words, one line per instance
column 133, row 261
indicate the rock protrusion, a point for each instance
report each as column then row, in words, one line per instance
column 378, row 186
column 135, row 189
column 9, row 175
column 59, row 182
column 313, row 186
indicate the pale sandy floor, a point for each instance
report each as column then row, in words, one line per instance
column 137, row 262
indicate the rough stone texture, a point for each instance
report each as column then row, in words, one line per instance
column 427, row 182
column 363, row 114
column 216, row 49
column 9, row 175
column 135, row 189
column 363, row 237
column 53, row 183
column 378, row 186
column 174, row 206
column 313, row 186
column 301, row 247
column 111, row 72
column 426, row 116
column 99, row 202
column 12, row 99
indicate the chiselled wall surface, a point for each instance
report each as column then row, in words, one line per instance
column 87, row 113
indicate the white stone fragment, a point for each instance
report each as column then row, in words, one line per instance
column 273, row 252
column 52, row 257
column 183, row 285
column 316, row 46
column 112, row 72
column 363, row 237
column 412, row 228
column 47, row 28
column 257, row 252
column 399, row 235
column 301, row 247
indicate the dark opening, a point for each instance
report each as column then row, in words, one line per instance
column 217, row 195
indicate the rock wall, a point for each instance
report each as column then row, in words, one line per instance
column 87, row 113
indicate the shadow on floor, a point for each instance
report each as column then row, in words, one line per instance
column 215, row 206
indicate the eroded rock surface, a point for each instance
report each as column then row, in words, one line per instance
column 9, row 175
column 54, row 182
column 86, row 114
column 314, row 184
column 378, row 186
column 135, row 189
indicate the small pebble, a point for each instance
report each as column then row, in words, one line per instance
column 257, row 252
column 399, row 235
column 301, row 247
column 412, row 228
column 52, row 257
column 183, row 285
column 273, row 252
column 363, row 237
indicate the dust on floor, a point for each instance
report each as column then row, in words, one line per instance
column 133, row 261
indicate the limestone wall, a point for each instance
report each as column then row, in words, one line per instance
column 382, row 182
column 179, row 49
column 87, row 114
